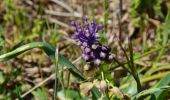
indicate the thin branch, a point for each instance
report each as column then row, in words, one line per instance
column 121, row 7
column 53, row 20
column 120, row 64
column 62, row 4
column 45, row 81
column 133, row 69
column 120, row 40
column 56, row 71
column 64, row 14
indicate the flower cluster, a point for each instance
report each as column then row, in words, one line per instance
column 87, row 37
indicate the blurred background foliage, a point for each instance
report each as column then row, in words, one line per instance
column 146, row 22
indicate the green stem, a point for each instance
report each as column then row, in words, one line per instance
column 106, row 13
column 139, row 86
column 56, row 81
column 143, row 55
column 133, row 69
column 122, row 65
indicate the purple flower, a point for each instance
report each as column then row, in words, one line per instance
column 87, row 36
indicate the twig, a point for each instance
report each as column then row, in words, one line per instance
column 133, row 69
column 29, row 2
column 53, row 20
column 120, row 7
column 62, row 4
column 120, row 39
column 44, row 81
column 130, row 60
column 72, row 14
column 56, row 72
column 106, row 13
column 122, row 65
column 38, row 85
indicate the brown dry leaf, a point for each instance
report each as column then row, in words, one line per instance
column 154, row 22
column 3, row 66
column 103, row 86
column 117, row 92
column 86, row 87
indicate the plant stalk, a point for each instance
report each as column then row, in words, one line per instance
column 133, row 68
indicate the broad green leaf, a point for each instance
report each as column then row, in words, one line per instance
column 18, row 45
column 95, row 93
column 49, row 50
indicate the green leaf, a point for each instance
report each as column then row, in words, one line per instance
column 163, row 82
column 70, row 95
column 40, row 94
column 95, row 93
column 166, row 28
column 2, row 41
column 18, row 45
column 139, row 9
column 65, row 62
column 18, row 93
column 150, row 91
column 49, row 50
column 157, row 68
column 165, row 33
column 1, row 78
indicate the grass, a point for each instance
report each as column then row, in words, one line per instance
column 36, row 50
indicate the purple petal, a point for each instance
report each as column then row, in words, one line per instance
column 73, row 23
column 102, row 54
column 100, row 26
column 85, row 57
column 110, row 57
column 87, row 50
column 97, row 62
column 92, row 55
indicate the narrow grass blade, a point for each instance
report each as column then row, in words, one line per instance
column 95, row 93
column 163, row 82
column 18, row 94
column 150, row 91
